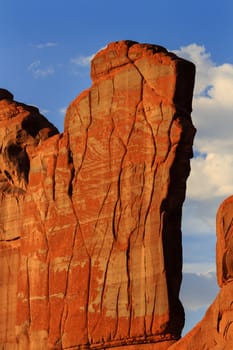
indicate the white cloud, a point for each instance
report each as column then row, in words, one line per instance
column 82, row 61
column 37, row 72
column 211, row 176
column 33, row 65
column 62, row 110
column 198, row 55
column 45, row 45
column 210, row 180
column 85, row 61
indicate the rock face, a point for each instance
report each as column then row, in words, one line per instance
column 215, row 331
column 90, row 219
column 22, row 129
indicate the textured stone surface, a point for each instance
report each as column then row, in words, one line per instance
column 215, row 330
column 92, row 216
column 22, row 129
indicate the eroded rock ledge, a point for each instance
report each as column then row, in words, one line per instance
column 90, row 219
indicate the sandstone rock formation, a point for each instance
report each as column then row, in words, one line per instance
column 215, row 331
column 22, row 129
column 90, row 219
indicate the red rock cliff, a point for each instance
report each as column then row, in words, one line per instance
column 90, row 219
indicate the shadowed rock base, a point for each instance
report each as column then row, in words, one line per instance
column 161, row 345
column 215, row 330
column 92, row 217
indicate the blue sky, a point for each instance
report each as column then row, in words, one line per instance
column 45, row 50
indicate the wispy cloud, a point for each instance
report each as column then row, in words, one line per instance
column 82, row 61
column 62, row 110
column 39, row 72
column 45, row 45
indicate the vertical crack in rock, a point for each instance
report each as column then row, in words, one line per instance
column 86, row 135
column 70, row 162
column 129, row 288
column 96, row 210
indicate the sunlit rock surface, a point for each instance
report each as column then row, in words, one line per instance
column 90, row 219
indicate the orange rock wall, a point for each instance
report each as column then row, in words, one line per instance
column 96, row 211
column 9, row 262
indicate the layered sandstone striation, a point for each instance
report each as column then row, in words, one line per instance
column 22, row 129
column 90, row 247
column 215, row 330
